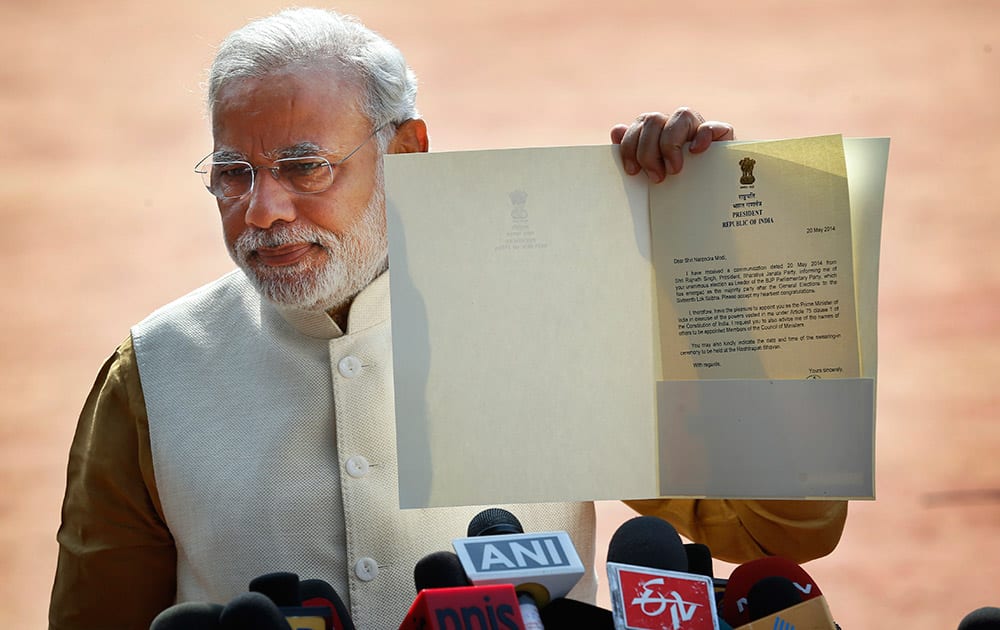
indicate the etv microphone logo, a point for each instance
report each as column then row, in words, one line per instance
column 651, row 599
column 653, row 603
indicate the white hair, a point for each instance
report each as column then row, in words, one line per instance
column 317, row 36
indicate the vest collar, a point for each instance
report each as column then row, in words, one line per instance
column 370, row 307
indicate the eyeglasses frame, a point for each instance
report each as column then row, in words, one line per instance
column 275, row 169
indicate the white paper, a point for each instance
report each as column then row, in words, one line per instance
column 526, row 339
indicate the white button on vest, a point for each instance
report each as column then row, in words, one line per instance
column 356, row 466
column 366, row 569
column 349, row 366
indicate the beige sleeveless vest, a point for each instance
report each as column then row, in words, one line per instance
column 274, row 449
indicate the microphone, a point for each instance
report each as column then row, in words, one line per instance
column 188, row 616
column 771, row 595
column 489, row 607
column 699, row 559
column 542, row 566
column 494, row 522
column 570, row 614
column 648, row 541
column 326, row 611
column 315, row 592
column 812, row 614
column 985, row 618
column 251, row 611
column 649, row 580
column 281, row 587
column 558, row 614
column 743, row 577
column 441, row 569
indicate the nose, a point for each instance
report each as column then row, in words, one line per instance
column 269, row 202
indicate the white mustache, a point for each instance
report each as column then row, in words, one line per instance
column 255, row 238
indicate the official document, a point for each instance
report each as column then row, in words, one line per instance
column 563, row 331
column 757, row 281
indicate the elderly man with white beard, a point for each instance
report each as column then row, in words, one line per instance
column 248, row 427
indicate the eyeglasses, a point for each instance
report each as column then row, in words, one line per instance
column 306, row 175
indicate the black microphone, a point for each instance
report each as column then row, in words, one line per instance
column 699, row 559
column 570, row 614
column 251, row 611
column 985, row 618
column 312, row 604
column 446, row 598
column 560, row 613
column 648, row 541
column 188, row 616
column 541, row 566
column 441, row 569
column 281, row 587
column 315, row 592
column 813, row 609
column 700, row 563
column 771, row 595
column 650, row 582
column 494, row 522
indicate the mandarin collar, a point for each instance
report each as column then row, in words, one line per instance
column 370, row 307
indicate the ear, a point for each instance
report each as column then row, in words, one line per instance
column 411, row 137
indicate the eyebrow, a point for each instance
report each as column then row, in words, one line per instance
column 225, row 155
column 299, row 149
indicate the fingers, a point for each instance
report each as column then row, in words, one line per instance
column 654, row 142
column 710, row 131
column 681, row 127
column 617, row 133
column 640, row 145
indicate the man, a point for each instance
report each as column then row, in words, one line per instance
column 249, row 426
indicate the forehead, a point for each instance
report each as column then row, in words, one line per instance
column 286, row 108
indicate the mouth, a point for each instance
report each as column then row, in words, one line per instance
column 284, row 255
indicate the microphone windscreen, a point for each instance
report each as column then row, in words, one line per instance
column 494, row 522
column 281, row 587
column 985, row 618
column 188, row 616
column 743, row 577
column 570, row 614
column 441, row 569
column 319, row 593
column 770, row 595
column 252, row 611
column 699, row 559
column 648, row 541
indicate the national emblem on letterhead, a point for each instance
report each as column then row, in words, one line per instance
column 518, row 199
column 746, row 165
column 519, row 235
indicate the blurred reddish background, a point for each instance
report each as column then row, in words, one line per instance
column 102, row 116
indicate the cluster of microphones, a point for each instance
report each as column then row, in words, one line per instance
column 501, row 578
column 275, row 601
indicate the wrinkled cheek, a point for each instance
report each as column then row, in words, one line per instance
column 233, row 225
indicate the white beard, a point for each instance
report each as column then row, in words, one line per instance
column 354, row 259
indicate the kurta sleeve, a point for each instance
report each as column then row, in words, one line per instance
column 741, row 530
column 117, row 561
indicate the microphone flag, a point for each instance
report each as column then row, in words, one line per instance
column 654, row 599
column 543, row 564
column 493, row 607
column 812, row 614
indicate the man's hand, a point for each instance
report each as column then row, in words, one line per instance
column 654, row 142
